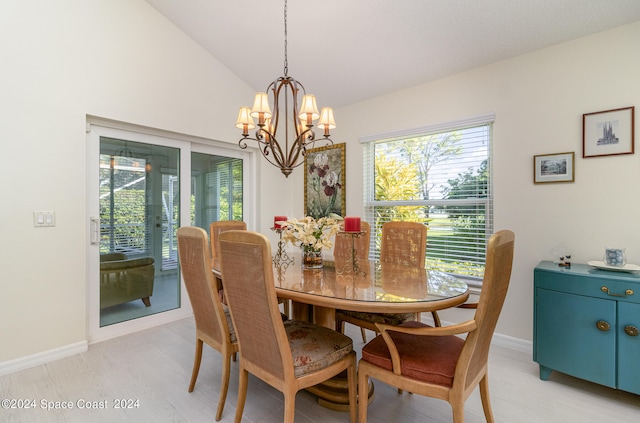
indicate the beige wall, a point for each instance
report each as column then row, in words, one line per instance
column 122, row 60
column 62, row 61
column 538, row 100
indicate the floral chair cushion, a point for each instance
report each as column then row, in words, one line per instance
column 393, row 319
column 315, row 347
column 232, row 330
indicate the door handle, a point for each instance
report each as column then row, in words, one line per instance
column 94, row 230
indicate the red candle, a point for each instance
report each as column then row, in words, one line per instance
column 352, row 224
column 278, row 219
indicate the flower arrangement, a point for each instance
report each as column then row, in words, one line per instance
column 309, row 233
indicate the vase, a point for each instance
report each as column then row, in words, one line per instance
column 311, row 259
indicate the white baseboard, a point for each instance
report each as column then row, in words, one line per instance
column 108, row 332
column 44, row 357
column 513, row 343
column 498, row 339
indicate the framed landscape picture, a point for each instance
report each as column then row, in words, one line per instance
column 553, row 168
column 608, row 133
column 324, row 181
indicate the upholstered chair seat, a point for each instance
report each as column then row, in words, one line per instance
column 442, row 352
column 232, row 331
column 315, row 347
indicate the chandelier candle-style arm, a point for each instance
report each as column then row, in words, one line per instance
column 290, row 109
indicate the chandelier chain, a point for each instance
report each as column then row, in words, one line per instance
column 286, row 61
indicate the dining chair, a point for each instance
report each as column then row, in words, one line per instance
column 288, row 355
column 215, row 229
column 434, row 361
column 213, row 322
column 402, row 243
column 467, row 306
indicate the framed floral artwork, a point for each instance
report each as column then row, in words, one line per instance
column 324, row 181
column 608, row 133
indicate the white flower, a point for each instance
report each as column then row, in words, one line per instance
column 331, row 178
column 320, row 160
column 309, row 233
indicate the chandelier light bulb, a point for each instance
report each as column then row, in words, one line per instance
column 245, row 121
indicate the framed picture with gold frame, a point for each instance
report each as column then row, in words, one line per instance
column 324, row 181
column 553, row 168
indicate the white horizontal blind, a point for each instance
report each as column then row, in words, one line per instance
column 439, row 176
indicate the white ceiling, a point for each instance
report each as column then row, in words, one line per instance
column 346, row 51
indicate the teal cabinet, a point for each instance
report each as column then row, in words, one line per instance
column 586, row 324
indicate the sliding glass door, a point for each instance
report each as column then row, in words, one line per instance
column 139, row 215
column 142, row 185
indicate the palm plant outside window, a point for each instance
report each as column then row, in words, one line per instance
column 439, row 176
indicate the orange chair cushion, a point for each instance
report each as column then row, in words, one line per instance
column 430, row 359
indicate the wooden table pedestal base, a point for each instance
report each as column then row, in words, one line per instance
column 334, row 393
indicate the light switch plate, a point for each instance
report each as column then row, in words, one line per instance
column 42, row 219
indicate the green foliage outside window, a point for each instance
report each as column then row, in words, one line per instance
column 414, row 170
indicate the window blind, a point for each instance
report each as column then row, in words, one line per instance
column 439, row 176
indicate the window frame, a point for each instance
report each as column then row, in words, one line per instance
column 369, row 203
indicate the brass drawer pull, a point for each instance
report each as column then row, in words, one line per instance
column 631, row 330
column 627, row 293
column 602, row 325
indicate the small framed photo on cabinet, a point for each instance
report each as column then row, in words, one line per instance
column 548, row 168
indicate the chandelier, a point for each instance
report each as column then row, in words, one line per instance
column 294, row 111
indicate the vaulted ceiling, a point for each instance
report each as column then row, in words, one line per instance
column 346, row 51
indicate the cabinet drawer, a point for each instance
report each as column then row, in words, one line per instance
column 606, row 286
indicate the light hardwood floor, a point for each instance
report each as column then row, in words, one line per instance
column 153, row 367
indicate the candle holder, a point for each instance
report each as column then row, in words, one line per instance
column 352, row 265
column 281, row 259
